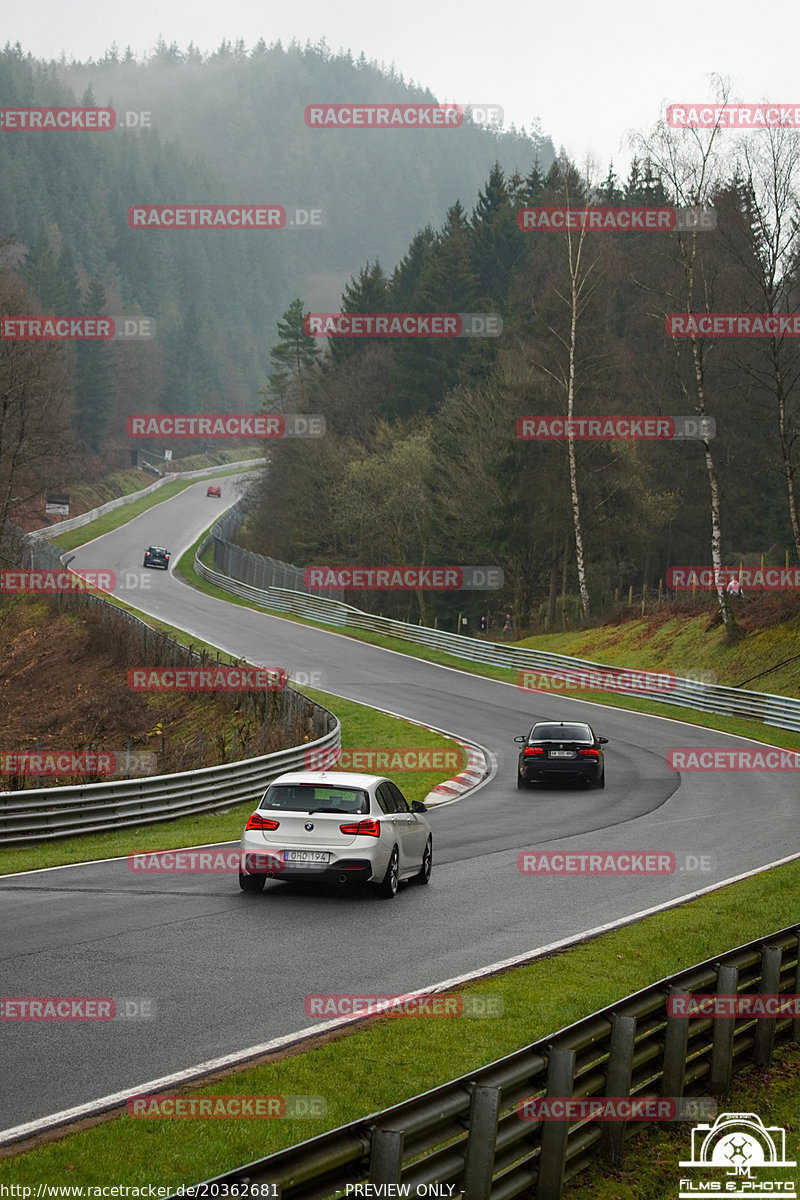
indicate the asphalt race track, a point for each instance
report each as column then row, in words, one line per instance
column 228, row 970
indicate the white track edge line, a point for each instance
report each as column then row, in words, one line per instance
column 115, row 1099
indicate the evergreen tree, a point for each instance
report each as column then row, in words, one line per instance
column 369, row 293
column 296, row 350
column 532, row 188
column 44, row 277
column 71, row 296
column 609, row 191
column 94, row 377
column 497, row 241
column 427, row 368
column 405, row 278
column 190, row 377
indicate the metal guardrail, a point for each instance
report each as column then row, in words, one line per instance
column 57, row 812
column 256, row 570
column 111, row 505
column 468, row 1132
column 38, row 814
column 780, row 711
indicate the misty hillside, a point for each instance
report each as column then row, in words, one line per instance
column 227, row 128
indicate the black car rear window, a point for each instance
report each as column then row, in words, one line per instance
column 561, row 733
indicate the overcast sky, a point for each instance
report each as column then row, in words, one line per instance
column 589, row 71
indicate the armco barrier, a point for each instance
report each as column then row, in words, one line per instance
column 56, row 812
column 468, row 1134
column 85, row 518
column 255, row 570
column 37, row 814
column 780, row 711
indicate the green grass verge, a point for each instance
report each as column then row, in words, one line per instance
column 738, row 726
column 352, row 1073
column 538, row 999
column 683, row 643
column 651, row 1170
column 126, row 512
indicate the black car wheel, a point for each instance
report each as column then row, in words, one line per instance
column 251, row 883
column 424, row 875
column 521, row 781
column 388, row 885
column 601, row 782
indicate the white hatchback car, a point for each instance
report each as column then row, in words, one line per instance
column 336, row 827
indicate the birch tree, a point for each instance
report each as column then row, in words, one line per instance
column 768, row 254
column 692, row 166
column 579, row 277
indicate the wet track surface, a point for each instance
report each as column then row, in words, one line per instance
column 226, row 971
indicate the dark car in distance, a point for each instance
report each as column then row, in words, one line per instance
column 560, row 750
column 156, row 556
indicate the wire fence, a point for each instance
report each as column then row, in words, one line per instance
column 284, row 715
column 536, row 670
column 256, row 570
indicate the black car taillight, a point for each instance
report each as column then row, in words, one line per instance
column 592, row 753
column 532, row 751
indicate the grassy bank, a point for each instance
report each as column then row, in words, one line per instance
column 419, row 1053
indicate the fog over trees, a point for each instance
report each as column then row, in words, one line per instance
column 421, row 462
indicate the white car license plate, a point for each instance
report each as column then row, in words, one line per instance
column 312, row 856
column 562, row 753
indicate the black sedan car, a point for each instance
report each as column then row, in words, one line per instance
column 156, row 556
column 559, row 750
